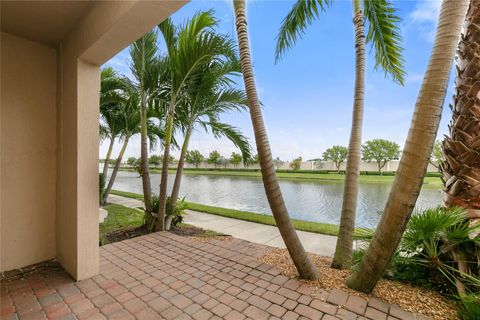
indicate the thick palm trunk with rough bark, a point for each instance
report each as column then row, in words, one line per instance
column 181, row 163
column 343, row 251
column 145, row 171
column 305, row 267
column 162, row 197
column 461, row 149
column 107, row 158
column 115, row 171
column 460, row 167
column 417, row 151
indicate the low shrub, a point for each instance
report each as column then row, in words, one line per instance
column 436, row 242
column 470, row 308
column 178, row 211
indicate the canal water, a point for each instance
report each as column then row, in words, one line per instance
column 318, row 201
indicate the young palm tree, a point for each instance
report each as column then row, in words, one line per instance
column 130, row 125
column 111, row 89
column 417, row 151
column 189, row 47
column 383, row 33
column 305, row 267
column 208, row 97
column 144, row 67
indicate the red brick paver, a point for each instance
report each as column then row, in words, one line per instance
column 164, row 276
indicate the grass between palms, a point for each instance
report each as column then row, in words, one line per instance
column 316, row 227
column 119, row 218
column 430, row 182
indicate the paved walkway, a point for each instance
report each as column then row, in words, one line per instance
column 254, row 232
column 165, row 276
column 259, row 233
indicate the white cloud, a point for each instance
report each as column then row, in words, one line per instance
column 426, row 11
column 424, row 18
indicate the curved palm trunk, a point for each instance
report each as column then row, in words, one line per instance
column 416, row 154
column 181, row 163
column 144, row 169
column 115, row 171
column 343, row 251
column 162, row 198
column 107, row 158
column 272, row 189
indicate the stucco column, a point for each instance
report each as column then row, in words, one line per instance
column 106, row 28
column 77, row 184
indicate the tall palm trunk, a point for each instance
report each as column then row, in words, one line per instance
column 162, row 198
column 460, row 169
column 115, row 171
column 181, row 163
column 107, row 158
column 272, row 189
column 343, row 251
column 416, row 154
column 144, row 169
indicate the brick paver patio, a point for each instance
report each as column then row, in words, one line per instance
column 164, row 276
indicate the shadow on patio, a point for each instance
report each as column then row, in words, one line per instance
column 165, row 276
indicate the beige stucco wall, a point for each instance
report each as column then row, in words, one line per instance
column 28, row 153
column 49, row 134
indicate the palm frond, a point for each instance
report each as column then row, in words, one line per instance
column 233, row 134
column 293, row 26
column 384, row 35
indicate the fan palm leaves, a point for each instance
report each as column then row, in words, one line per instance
column 384, row 36
column 190, row 46
column 442, row 238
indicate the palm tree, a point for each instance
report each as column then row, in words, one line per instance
column 460, row 169
column 145, row 70
column 305, row 267
column 418, row 149
column 208, row 97
column 130, row 125
column 189, row 47
column 111, row 86
column 383, row 33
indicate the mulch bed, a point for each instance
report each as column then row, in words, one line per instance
column 187, row 231
column 184, row 231
column 124, row 234
column 198, row 234
column 411, row 298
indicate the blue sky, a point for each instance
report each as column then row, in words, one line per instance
column 308, row 96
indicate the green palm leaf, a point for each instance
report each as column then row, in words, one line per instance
column 384, row 35
column 293, row 26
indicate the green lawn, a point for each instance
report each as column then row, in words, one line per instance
column 315, row 227
column 119, row 218
column 433, row 182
